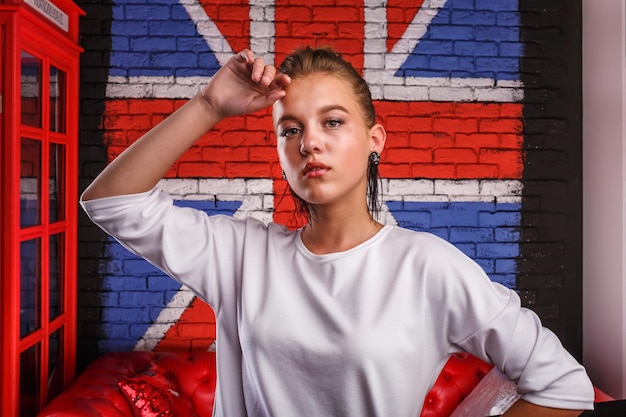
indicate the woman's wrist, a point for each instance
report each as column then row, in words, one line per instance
column 212, row 115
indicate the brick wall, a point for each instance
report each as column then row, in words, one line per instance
column 550, row 267
column 478, row 97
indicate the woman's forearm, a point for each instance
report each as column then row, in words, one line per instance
column 243, row 85
column 144, row 163
column 523, row 408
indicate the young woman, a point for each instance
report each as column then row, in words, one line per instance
column 345, row 316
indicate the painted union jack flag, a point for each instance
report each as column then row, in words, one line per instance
column 445, row 78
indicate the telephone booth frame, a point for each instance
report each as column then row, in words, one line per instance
column 39, row 82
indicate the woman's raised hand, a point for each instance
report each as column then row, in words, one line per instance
column 244, row 85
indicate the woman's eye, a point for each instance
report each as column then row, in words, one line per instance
column 334, row 123
column 290, row 131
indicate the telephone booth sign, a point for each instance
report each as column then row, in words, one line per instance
column 38, row 200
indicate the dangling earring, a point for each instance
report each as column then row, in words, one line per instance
column 284, row 175
column 375, row 158
column 372, row 184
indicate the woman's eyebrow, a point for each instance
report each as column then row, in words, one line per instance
column 321, row 110
column 285, row 118
column 331, row 107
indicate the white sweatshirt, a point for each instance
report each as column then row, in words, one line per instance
column 363, row 332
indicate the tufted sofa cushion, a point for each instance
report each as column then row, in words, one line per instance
column 96, row 393
column 461, row 373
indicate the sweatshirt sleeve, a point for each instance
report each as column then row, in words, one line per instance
column 187, row 244
column 531, row 355
column 486, row 319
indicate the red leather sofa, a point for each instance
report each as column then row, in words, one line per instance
column 98, row 390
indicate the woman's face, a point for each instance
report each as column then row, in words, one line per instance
column 323, row 141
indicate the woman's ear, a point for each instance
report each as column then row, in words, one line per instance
column 378, row 137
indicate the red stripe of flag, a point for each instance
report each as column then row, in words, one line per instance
column 425, row 140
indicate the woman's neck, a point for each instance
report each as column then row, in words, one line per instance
column 337, row 233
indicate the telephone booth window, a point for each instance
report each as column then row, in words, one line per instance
column 55, row 364
column 57, row 243
column 57, row 100
column 39, row 83
column 30, row 282
column 31, row 90
column 30, row 182
column 30, row 380
column 56, row 181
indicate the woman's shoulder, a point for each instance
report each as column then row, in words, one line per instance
column 425, row 248
column 421, row 240
column 257, row 227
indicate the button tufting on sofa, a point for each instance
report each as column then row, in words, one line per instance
column 95, row 392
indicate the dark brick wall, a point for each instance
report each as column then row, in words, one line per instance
column 96, row 40
column 550, row 268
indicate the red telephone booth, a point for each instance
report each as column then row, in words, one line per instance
column 38, row 200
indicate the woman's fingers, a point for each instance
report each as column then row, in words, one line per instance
column 245, row 85
column 263, row 74
column 257, row 69
column 245, row 55
column 280, row 81
column 269, row 73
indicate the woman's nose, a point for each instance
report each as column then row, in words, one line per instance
column 310, row 142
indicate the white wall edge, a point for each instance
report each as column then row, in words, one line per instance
column 604, row 193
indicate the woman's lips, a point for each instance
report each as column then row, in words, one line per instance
column 314, row 170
